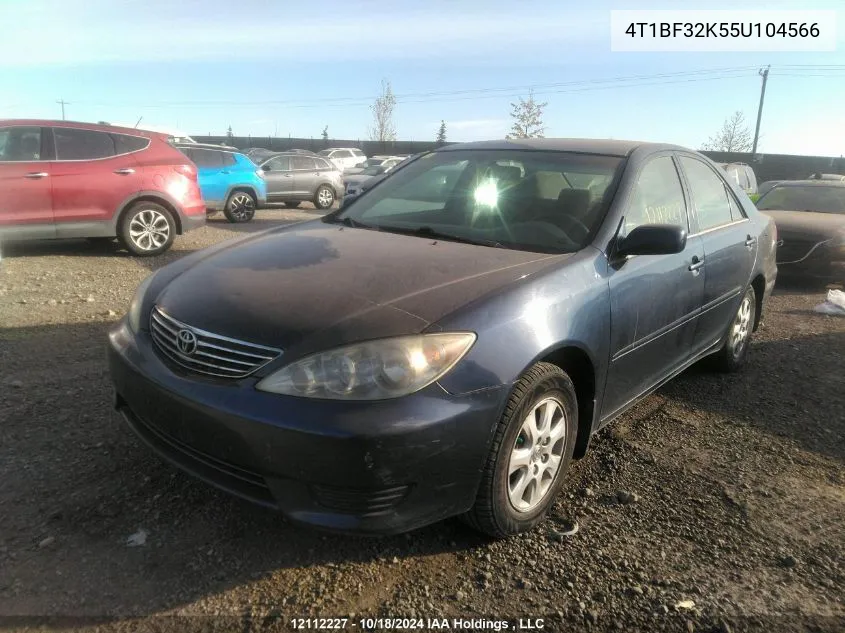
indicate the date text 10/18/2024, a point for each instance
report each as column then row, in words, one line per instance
column 417, row 624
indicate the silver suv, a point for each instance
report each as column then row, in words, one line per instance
column 296, row 178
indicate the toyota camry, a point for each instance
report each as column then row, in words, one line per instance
column 449, row 341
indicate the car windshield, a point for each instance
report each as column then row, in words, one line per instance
column 807, row 198
column 375, row 170
column 525, row 200
column 325, row 152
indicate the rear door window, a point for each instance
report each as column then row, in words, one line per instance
column 709, row 195
column 124, row 143
column 303, row 163
column 20, row 144
column 207, row 158
column 279, row 163
column 228, row 158
column 75, row 144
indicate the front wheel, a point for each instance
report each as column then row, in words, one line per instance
column 324, row 198
column 734, row 352
column 147, row 229
column 240, row 207
column 531, row 452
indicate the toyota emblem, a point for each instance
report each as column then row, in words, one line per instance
column 187, row 342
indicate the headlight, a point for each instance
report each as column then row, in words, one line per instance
column 373, row 370
column 135, row 307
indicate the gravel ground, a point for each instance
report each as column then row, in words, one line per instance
column 717, row 504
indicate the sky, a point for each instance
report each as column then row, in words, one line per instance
column 291, row 68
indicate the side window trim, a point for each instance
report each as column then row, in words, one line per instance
column 111, row 135
column 48, row 144
column 52, row 144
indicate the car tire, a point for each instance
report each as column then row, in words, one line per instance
column 501, row 508
column 324, row 197
column 734, row 353
column 147, row 229
column 240, row 207
column 293, row 204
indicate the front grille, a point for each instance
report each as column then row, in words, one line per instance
column 365, row 502
column 204, row 352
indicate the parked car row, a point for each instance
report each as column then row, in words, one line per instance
column 372, row 167
column 62, row 179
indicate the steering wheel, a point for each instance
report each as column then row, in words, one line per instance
column 579, row 228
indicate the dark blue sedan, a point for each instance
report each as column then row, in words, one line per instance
column 448, row 342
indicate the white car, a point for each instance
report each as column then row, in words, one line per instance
column 344, row 157
column 388, row 162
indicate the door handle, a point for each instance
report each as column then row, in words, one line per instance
column 750, row 241
column 288, row 175
column 225, row 171
column 36, row 174
column 125, row 171
column 696, row 264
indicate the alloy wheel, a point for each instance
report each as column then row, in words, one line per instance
column 149, row 230
column 325, row 198
column 741, row 328
column 537, row 455
column 242, row 206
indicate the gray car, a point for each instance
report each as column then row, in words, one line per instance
column 294, row 178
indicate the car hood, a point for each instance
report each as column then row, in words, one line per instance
column 355, row 179
column 808, row 224
column 318, row 285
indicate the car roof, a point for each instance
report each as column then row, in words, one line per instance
column 580, row 145
column 97, row 127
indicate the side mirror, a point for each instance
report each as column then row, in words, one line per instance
column 266, row 168
column 652, row 239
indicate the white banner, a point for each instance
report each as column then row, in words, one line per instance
column 722, row 31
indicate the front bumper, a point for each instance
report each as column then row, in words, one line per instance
column 367, row 467
column 822, row 260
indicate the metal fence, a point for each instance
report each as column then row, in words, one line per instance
column 766, row 166
column 280, row 144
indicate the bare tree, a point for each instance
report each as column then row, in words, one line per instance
column 383, row 129
column 441, row 134
column 733, row 137
column 527, row 118
column 229, row 134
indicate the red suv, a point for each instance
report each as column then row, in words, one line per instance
column 61, row 179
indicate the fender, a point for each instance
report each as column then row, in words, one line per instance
column 169, row 201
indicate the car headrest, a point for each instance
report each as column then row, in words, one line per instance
column 574, row 202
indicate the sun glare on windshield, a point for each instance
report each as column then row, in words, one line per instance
column 487, row 193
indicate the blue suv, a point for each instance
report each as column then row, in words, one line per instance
column 229, row 181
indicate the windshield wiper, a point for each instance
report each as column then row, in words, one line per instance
column 427, row 231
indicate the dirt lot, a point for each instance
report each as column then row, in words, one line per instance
column 738, row 522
